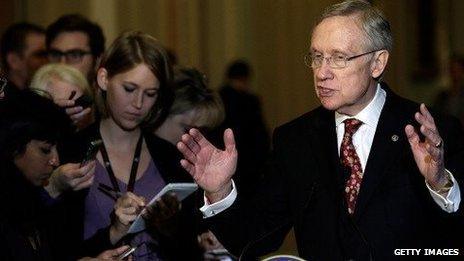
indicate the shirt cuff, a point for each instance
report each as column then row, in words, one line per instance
column 449, row 204
column 210, row 210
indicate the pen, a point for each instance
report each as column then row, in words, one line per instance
column 126, row 253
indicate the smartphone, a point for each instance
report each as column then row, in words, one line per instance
column 84, row 101
column 127, row 253
column 92, row 151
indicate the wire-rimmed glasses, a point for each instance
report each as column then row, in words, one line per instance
column 337, row 61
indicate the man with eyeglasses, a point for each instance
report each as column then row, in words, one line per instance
column 365, row 176
column 76, row 41
column 22, row 51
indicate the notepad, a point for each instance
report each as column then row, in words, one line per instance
column 181, row 190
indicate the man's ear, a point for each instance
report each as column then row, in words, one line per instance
column 14, row 61
column 102, row 78
column 379, row 63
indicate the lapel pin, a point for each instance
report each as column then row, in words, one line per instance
column 395, row 138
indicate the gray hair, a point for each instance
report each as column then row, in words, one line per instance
column 372, row 20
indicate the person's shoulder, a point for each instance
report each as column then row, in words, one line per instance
column 85, row 136
column 161, row 150
column 398, row 102
column 166, row 158
column 154, row 141
column 226, row 90
column 445, row 94
column 76, row 144
column 403, row 107
column 307, row 120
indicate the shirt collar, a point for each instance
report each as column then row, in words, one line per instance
column 370, row 114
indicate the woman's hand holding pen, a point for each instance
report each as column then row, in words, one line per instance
column 70, row 176
column 126, row 210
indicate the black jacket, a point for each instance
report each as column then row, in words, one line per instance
column 29, row 228
column 305, row 190
column 243, row 114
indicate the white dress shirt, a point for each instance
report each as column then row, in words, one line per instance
column 362, row 141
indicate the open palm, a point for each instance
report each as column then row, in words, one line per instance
column 428, row 154
column 427, row 164
column 210, row 167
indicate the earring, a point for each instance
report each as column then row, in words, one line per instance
column 52, row 162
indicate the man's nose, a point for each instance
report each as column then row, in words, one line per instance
column 324, row 71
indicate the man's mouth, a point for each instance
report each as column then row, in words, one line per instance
column 324, row 92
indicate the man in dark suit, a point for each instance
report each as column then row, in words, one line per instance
column 22, row 53
column 243, row 114
column 360, row 178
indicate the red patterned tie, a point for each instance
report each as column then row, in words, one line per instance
column 350, row 159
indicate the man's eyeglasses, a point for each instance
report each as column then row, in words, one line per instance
column 72, row 56
column 337, row 61
column 3, row 82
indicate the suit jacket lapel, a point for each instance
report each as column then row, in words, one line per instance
column 386, row 147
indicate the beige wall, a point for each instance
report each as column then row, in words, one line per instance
column 272, row 34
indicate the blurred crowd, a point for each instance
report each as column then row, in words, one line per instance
column 61, row 90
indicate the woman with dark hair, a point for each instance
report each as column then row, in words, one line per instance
column 32, row 227
column 28, row 135
column 134, row 93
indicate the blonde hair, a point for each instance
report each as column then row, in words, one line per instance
column 61, row 72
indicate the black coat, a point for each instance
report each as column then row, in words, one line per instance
column 166, row 158
column 305, row 190
column 30, row 229
column 243, row 114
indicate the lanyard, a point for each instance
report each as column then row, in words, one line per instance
column 135, row 165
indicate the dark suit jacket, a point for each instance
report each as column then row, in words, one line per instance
column 394, row 208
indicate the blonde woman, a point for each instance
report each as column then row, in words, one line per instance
column 69, row 89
